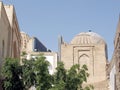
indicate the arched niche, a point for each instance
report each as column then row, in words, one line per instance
column 84, row 59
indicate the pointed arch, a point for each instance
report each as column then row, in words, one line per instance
column 84, row 59
column 84, row 55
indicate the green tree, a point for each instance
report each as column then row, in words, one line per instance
column 59, row 77
column 43, row 78
column 35, row 72
column 23, row 53
column 28, row 74
column 76, row 76
column 72, row 79
column 12, row 72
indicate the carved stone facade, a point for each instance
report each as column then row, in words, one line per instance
column 31, row 44
column 24, row 41
column 14, row 34
column 88, row 48
column 5, row 38
column 10, row 38
column 114, row 65
column 117, row 57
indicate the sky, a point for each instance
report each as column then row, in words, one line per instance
column 47, row 19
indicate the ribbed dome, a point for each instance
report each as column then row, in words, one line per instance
column 87, row 38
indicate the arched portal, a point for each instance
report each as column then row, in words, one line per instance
column 84, row 59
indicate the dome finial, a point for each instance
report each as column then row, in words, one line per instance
column 90, row 30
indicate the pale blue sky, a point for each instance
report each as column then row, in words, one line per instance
column 46, row 19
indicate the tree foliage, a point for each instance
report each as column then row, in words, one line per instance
column 43, row 78
column 12, row 75
column 71, row 79
column 35, row 72
column 28, row 74
column 59, row 77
